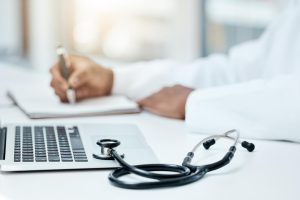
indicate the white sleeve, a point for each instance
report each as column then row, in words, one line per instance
column 245, row 62
column 259, row 109
column 141, row 79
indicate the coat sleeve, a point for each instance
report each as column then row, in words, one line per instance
column 141, row 79
column 244, row 62
column 262, row 109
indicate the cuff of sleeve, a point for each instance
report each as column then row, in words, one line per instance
column 121, row 80
column 219, row 109
column 255, row 109
column 141, row 79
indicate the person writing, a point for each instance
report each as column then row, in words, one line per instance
column 255, row 88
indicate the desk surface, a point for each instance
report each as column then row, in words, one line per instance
column 271, row 172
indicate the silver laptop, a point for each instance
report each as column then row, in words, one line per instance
column 33, row 147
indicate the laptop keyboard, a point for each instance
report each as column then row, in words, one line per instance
column 48, row 144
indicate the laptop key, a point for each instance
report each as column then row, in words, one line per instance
column 41, row 159
column 27, row 160
column 85, row 160
column 46, row 143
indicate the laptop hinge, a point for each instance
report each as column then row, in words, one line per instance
column 2, row 143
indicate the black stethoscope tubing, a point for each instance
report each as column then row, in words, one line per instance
column 169, row 182
column 184, row 174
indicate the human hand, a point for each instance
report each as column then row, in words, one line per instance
column 87, row 78
column 168, row 102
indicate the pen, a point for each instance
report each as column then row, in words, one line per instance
column 62, row 62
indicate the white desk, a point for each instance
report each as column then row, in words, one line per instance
column 271, row 172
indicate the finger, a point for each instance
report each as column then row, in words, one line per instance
column 157, row 105
column 57, row 79
column 83, row 93
column 59, row 85
column 158, row 111
column 153, row 110
column 55, row 72
column 146, row 102
column 59, row 91
column 78, row 78
column 151, row 100
column 73, row 61
column 62, row 96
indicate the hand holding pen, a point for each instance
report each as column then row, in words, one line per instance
column 86, row 78
column 89, row 79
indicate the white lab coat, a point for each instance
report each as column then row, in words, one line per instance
column 255, row 88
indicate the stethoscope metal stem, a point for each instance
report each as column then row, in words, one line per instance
column 217, row 137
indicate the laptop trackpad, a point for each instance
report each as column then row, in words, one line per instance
column 133, row 144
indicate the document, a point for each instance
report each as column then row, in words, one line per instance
column 43, row 103
column 5, row 100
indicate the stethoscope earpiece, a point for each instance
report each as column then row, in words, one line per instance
column 249, row 146
column 209, row 143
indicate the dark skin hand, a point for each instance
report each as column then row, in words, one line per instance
column 168, row 102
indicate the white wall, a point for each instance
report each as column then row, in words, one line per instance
column 10, row 25
column 185, row 41
column 44, row 32
column 48, row 26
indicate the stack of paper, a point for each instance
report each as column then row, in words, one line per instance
column 42, row 103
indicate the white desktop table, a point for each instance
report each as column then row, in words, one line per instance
column 271, row 172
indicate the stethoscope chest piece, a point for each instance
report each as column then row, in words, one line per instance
column 107, row 145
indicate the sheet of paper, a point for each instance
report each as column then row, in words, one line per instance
column 5, row 100
column 42, row 103
column 11, row 74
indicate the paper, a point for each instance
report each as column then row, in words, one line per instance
column 17, row 75
column 5, row 100
column 42, row 103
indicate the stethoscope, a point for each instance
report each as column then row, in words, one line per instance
column 180, row 174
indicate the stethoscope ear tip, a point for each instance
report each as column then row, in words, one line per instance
column 209, row 143
column 249, row 146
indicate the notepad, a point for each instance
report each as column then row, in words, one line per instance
column 4, row 100
column 42, row 103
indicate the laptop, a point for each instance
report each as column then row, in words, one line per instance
column 35, row 147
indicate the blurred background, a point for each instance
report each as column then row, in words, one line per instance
column 123, row 31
